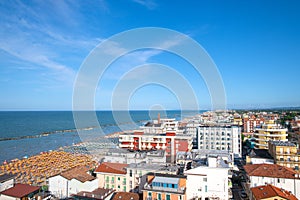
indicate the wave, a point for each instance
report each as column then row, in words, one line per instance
column 45, row 134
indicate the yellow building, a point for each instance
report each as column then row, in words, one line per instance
column 285, row 154
column 269, row 131
column 165, row 187
column 112, row 176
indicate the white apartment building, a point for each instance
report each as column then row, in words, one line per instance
column 71, row 182
column 207, row 181
column 225, row 138
column 279, row 176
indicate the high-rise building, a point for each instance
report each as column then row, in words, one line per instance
column 225, row 138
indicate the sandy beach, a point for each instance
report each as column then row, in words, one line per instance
column 36, row 169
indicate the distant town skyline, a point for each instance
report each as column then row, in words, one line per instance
column 254, row 44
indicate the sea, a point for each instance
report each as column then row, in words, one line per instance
column 27, row 133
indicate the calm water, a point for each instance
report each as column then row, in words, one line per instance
column 28, row 133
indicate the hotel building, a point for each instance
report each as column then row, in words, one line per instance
column 225, row 138
column 169, row 141
column 269, row 131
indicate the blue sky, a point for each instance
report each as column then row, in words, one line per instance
column 255, row 45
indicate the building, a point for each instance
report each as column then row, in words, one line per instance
column 165, row 186
column 183, row 158
column 99, row 193
column 225, row 138
column 251, row 123
column 125, row 196
column 118, row 155
column 112, row 176
column 160, row 126
column 259, row 156
column 6, row 181
column 270, row 192
column 169, row 141
column 71, row 182
column 279, row 176
column 137, row 174
column 19, row 191
column 269, row 131
column 285, row 154
column 208, row 182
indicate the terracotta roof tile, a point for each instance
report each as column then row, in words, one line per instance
column 79, row 173
column 20, row 190
column 270, row 170
column 113, row 168
column 269, row 191
column 125, row 196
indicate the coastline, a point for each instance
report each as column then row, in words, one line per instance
column 37, row 168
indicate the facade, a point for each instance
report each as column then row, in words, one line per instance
column 285, row 154
column 225, row 138
column 112, row 176
column 137, row 174
column 269, row 131
column 279, row 176
column 6, row 181
column 251, row 123
column 270, row 192
column 71, row 182
column 212, row 182
column 169, row 141
column 164, row 186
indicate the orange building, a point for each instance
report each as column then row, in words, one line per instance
column 165, row 187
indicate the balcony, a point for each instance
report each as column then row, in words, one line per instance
column 126, row 139
column 124, row 145
column 164, row 189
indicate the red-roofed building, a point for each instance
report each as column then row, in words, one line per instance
column 270, row 192
column 20, row 191
column 112, row 176
column 279, row 176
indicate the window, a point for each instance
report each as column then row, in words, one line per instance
column 159, row 196
column 205, row 188
column 124, row 188
column 278, row 180
column 130, row 173
column 119, row 187
column 205, row 179
column 150, row 194
column 119, row 178
column 168, row 197
column 107, row 185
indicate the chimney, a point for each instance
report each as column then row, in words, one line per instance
column 158, row 118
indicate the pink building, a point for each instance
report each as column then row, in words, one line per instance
column 169, row 141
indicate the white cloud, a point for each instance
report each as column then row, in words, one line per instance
column 150, row 4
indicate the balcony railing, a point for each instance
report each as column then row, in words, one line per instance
column 165, row 189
